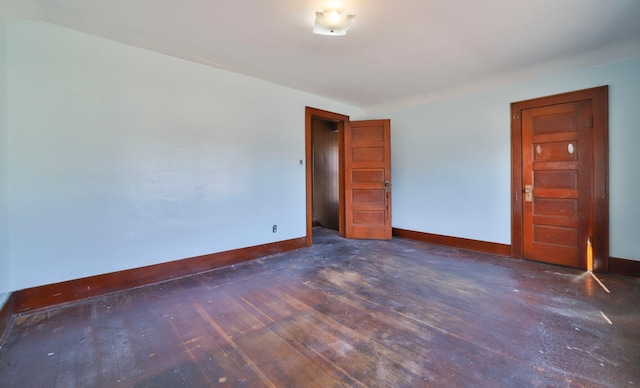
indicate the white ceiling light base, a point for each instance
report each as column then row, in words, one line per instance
column 332, row 23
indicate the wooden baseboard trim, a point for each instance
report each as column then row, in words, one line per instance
column 624, row 267
column 6, row 315
column 455, row 242
column 74, row 290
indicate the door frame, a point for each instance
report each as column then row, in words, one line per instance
column 342, row 123
column 599, row 223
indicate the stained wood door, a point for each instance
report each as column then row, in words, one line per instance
column 368, row 179
column 556, row 150
column 563, row 178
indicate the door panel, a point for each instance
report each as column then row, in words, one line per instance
column 367, row 180
column 557, row 168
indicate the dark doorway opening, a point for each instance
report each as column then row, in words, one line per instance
column 326, row 181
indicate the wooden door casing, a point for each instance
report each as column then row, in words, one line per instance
column 559, row 147
column 368, row 179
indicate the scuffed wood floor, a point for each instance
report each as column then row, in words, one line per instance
column 342, row 313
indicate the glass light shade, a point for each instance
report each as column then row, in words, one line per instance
column 332, row 23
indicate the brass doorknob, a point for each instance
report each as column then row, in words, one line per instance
column 528, row 190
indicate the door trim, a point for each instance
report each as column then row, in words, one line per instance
column 342, row 122
column 599, row 223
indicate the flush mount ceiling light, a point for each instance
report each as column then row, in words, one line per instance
column 332, row 23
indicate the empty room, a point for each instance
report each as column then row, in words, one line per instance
column 319, row 193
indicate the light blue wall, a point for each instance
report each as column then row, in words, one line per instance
column 4, row 171
column 451, row 158
column 122, row 157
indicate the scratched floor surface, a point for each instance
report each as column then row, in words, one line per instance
column 342, row 313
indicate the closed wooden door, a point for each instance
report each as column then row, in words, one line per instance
column 368, row 179
column 563, row 179
column 556, row 150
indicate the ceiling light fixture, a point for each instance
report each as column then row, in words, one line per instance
column 332, row 22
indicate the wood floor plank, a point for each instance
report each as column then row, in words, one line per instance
column 319, row 334
column 303, row 339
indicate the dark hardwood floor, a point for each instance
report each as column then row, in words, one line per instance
column 343, row 313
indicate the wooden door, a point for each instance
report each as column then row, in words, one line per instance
column 562, row 179
column 557, row 165
column 368, row 179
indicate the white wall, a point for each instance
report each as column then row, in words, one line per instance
column 451, row 158
column 4, row 171
column 122, row 157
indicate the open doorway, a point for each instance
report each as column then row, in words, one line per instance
column 363, row 177
column 325, row 177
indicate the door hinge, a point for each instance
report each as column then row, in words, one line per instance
column 588, row 123
column 515, row 116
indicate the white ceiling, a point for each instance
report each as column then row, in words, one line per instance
column 396, row 53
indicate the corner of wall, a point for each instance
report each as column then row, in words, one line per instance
column 3, row 299
column 4, row 171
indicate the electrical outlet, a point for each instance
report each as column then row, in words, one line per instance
column 275, row 228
